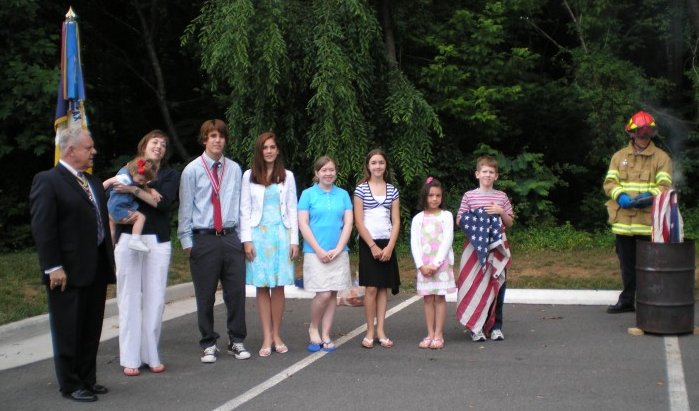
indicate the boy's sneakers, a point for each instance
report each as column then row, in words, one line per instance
column 237, row 349
column 209, row 354
column 497, row 335
column 478, row 336
column 138, row 245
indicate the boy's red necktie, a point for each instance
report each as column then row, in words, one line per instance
column 215, row 201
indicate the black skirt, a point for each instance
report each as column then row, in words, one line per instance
column 375, row 273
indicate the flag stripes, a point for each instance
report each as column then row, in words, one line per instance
column 480, row 283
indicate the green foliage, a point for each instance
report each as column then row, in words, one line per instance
column 611, row 89
column 547, row 87
column 474, row 73
column 690, row 218
column 318, row 75
column 20, row 287
column 686, row 162
column 605, row 67
column 558, row 238
column 28, row 68
column 223, row 34
column 344, row 32
column 528, row 181
column 592, row 212
column 414, row 121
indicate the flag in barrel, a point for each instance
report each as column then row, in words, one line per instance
column 667, row 224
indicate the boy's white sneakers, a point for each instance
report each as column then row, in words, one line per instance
column 138, row 245
column 497, row 335
column 478, row 336
column 208, row 356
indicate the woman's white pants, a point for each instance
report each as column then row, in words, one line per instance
column 141, row 283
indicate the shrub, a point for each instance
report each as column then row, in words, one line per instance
column 558, row 238
column 690, row 217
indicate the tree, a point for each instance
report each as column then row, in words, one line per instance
column 28, row 67
column 120, row 106
column 134, row 58
column 320, row 75
column 149, row 16
column 546, row 84
column 481, row 83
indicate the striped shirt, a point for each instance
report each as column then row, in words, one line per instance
column 475, row 199
column 364, row 192
column 377, row 209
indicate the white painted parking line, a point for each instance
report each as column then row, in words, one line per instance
column 676, row 388
column 288, row 372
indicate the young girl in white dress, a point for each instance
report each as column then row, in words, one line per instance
column 431, row 238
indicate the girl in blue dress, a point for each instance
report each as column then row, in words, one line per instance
column 269, row 233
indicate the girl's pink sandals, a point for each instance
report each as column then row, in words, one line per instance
column 131, row 372
column 437, row 344
column 425, row 343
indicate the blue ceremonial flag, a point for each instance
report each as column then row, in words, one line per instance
column 70, row 108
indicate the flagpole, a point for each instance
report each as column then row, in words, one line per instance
column 70, row 108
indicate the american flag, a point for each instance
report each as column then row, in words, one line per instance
column 484, row 260
column 667, row 224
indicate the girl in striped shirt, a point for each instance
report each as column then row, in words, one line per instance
column 377, row 218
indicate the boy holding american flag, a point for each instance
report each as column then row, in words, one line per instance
column 483, row 215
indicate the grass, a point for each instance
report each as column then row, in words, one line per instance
column 595, row 268
column 21, row 292
column 22, row 295
column 556, row 258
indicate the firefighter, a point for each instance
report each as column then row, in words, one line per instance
column 637, row 173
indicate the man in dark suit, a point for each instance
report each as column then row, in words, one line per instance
column 71, row 230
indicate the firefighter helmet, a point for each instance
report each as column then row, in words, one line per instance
column 641, row 124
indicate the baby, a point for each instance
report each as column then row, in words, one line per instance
column 123, row 207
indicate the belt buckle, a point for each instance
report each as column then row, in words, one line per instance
column 220, row 233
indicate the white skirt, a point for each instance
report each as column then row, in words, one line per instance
column 320, row 277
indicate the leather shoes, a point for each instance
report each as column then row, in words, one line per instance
column 620, row 308
column 81, row 395
column 98, row 389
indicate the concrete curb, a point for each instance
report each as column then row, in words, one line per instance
column 37, row 325
column 29, row 340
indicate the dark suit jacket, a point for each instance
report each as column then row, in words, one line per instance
column 65, row 228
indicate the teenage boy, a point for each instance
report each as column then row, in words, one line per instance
column 209, row 233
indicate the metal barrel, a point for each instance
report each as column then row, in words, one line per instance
column 665, row 287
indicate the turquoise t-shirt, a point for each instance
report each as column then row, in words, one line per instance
column 326, row 210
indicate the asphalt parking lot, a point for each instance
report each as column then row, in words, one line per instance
column 554, row 357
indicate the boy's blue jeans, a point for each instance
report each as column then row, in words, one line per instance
column 499, row 307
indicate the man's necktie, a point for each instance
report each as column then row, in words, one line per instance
column 86, row 187
column 215, row 201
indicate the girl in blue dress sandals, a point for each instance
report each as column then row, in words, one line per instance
column 269, row 233
column 325, row 221
column 377, row 218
